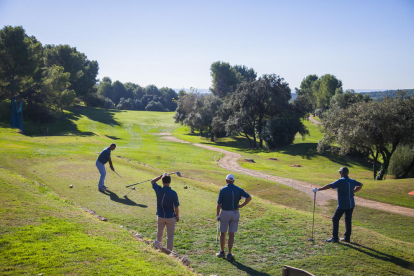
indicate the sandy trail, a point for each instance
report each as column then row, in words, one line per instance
column 229, row 161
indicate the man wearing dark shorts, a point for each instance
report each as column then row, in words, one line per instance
column 346, row 188
column 228, row 203
column 103, row 158
column 167, row 209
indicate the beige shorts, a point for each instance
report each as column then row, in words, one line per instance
column 229, row 220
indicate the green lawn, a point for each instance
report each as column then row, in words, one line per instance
column 273, row 230
column 314, row 168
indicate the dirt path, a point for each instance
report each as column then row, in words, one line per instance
column 313, row 120
column 228, row 160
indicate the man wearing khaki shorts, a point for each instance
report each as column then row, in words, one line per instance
column 228, row 203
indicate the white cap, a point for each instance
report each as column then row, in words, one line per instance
column 230, row 177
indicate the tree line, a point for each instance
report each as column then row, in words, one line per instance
column 49, row 78
column 256, row 108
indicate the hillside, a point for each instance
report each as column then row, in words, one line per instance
column 274, row 228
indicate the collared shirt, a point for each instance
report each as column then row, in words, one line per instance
column 167, row 200
column 104, row 155
column 230, row 196
column 345, row 187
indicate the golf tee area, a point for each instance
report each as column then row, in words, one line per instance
column 49, row 227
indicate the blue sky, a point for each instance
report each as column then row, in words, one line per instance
column 367, row 44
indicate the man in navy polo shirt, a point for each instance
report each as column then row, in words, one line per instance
column 103, row 158
column 228, row 203
column 167, row 209
column 346, row 188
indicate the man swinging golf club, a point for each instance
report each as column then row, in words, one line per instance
column 103, row 158
column 346, row 188
column 228, row 203
column 167, row 209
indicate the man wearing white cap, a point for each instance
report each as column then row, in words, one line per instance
column 228, row 204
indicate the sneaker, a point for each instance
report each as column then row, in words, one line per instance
column 230, row 257
column 332, row 240
column 220, row 254
column 346, row 239
column 102, row 190
column 106, row 188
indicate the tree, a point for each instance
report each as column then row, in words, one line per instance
column 83, row 72
column 20, row 62
column 306, row 91
column 152, row 90
column 224, row 79
column 281, row 130
column 248, row 74
column 154, row 106
column 184, row 108
column 118, row 92
column 255, row 102
column 170, row 97
column 105, row 88
column 377, row 128
column 324, row 89
column 344, row 100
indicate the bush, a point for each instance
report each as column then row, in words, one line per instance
column 281, row 131
column 108, row 103
column 125, row 104
column 154, row 106
column 401, row 160
column 94, row 100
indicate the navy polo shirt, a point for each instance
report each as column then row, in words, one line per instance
column 167, row 200
column 345, row 188
column 104, row 155
column 230, row 196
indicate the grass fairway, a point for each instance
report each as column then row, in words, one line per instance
column 274, row 228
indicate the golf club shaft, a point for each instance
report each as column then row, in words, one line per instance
column 121, row 177
column 138, row 183
column 217, row 232
column 313, row 219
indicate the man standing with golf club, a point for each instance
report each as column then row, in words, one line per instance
column 228, row 203
column 103, row 158
column 167, row 209
column 346, row 188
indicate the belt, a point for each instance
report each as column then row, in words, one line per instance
column 231, row 209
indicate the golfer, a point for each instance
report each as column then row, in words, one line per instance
column 228, row 203
column 103, row 158
column 167, row 209
column 346, row 188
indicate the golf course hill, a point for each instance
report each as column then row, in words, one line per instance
column 54, row 220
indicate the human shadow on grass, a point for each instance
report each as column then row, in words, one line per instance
column 247, row 269
column 125, row 200
column 381, row 256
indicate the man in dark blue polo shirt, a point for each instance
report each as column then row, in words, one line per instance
column 346, row 188
column 228, row 203
column 103, row 158
column 167, row 209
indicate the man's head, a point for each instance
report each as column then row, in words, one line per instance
column 230, row 178
column 343, row 171
column 166, row 180
column 112, row 146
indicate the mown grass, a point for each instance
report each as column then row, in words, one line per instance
column 320, row 169
column 272, row 234
column 43, row 234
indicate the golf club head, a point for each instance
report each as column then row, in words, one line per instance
column 133, row 188
column 178, row 173
column 310, row 239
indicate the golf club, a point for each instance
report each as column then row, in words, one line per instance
column 120, row 177
column 217, row 232
column 313, row 219
column 177, row 173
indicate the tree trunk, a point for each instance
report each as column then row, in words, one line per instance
column 201, row 132
column 192, row 129
column 211, row 134
column 248, row 139
column 386, row 156
column 374, row 167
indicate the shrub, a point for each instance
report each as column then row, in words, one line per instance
column 401, row 160
column 94, row 100
column 281, row 131
column 154, row 106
